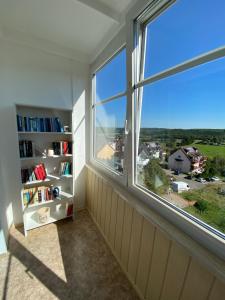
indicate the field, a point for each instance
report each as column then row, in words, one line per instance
column 210, row 151
column 214, row 211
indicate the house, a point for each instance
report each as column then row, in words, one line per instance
column 112, row 153
column 149, row 150
column 187, row 159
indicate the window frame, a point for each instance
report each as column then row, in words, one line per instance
column 119, row 177
column 203, row 233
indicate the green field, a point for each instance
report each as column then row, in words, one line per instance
column 210, row 151
column 214, row 214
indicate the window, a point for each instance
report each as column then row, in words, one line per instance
column 180, row 107
column 110, row 113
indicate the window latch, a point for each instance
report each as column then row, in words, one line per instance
column 126, row 128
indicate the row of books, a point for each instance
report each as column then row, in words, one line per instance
column 26, row 148
column 37, row 195
column 32, row 174
column 62, row 147
column 31, row 124
column 65, row 168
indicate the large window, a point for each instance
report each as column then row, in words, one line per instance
column 180, row 107
column 109, row 111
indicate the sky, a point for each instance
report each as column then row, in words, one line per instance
column 191, row 99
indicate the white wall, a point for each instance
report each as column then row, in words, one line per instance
column 33, row 77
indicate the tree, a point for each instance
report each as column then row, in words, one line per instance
column 187, row 140
column 155, row 178
column 210, row 169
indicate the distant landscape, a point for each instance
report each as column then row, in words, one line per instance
column 206, row 197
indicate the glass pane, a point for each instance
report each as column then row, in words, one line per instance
column 181, row 151
column 111, row 79
column 109, row 133
column 186, row 29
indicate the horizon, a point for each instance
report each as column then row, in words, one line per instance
column 113, row 127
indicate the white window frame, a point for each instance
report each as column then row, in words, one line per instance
column 119, row 177
column 203, row 233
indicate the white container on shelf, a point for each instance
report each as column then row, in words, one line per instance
column 43, row 214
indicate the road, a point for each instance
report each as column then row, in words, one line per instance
column 193, row 184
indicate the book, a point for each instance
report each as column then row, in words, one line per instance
column 69, row 209
column 65, row 168
column 26, row 148
column 37, row 172
column 37, row 195
column 62, row 148
column 39, row 124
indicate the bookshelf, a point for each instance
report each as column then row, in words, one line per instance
column 45, row 150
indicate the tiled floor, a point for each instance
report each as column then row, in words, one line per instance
column 65, row 260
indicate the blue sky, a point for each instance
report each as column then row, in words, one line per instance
column 191, row 99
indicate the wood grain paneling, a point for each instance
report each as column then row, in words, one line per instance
column 113, row 214
column 175, row 275
column 88, row 189
column 95, row 196
column 126, row 235
column 157, row 266
column 119, row 226
column 218, row 290
column 147, row 241
column 103, row 206
column 135, row 243
column 198, row 283
column 108, row 210
column 99, row 200
column 92, row 192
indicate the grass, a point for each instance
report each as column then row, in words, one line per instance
column 210, row 151
column 214, row 215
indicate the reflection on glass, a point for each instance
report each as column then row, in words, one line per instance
column 181, row 151
column 109, row 133
column 111, row 79
column 186, row 29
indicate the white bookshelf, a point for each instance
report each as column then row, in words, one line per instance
column 42, row 142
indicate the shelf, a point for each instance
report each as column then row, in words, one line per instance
column 66, row 176
column 50, row 178
column 63, row 197
column 45, row 157
column 32, row 221
column 44, row 132
column 43, row 140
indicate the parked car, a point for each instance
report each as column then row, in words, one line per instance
column 177, row 172
column 208, row 179
column 215, row 178
column 200, row 179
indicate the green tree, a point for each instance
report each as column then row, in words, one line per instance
column 210, row 169
column 155, row 178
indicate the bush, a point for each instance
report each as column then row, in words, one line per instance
column 191, row 196
column 201, row 205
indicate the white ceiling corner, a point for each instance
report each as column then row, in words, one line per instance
column 102, row 8
column 77, row 29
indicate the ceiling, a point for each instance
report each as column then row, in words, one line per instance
column 83, row 27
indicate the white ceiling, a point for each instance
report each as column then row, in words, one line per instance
column 78, row 25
